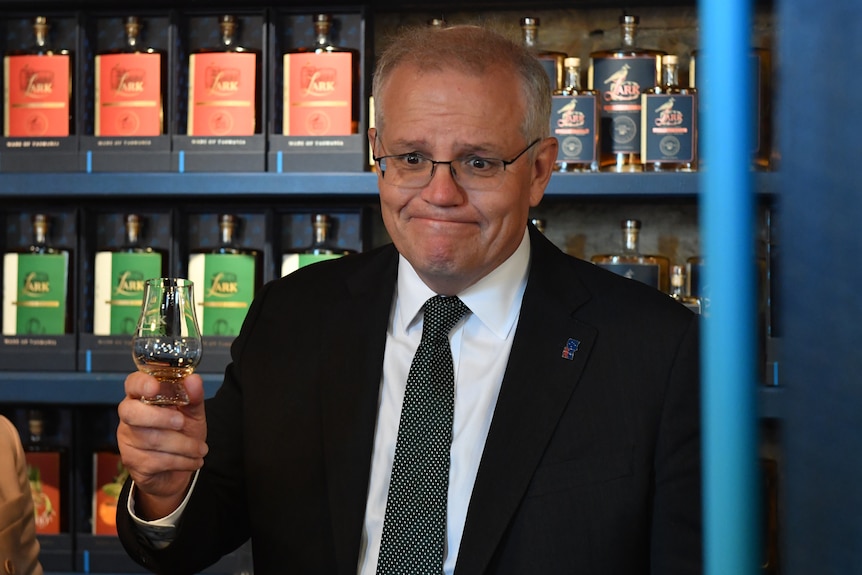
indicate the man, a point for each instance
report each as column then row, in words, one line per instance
column 575, row 434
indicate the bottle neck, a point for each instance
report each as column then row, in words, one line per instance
column 670, row 76
column 531, row 36
column 629, row 32
column 322, row 30
column 133, row 36
column 40, row 37
column 677, row 282
column 228, row 36
column 573, row 78
column 40, row 236
column 630, row 240
column 226, row 235
column 133, row 231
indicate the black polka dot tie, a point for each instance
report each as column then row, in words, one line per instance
column 414, row 528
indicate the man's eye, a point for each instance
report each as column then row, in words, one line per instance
column 413, row 159
column 479, row 164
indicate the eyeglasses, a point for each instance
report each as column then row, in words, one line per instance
column 413, row 170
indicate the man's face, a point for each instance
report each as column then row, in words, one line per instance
column 451, row 235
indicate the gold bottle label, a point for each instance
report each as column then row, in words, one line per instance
column 222, row 89
column 37, row 91
column 128, row 95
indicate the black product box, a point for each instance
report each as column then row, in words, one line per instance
column 28, row 350
column 318, row 153
column 39, row 155
column 38, row 150
column 103, row 232
column 218, row 154
column 218, row 147
column 126, row 154
column 121, row 133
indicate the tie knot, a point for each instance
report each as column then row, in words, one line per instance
column 441, row 313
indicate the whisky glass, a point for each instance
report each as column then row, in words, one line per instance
column 167, row 340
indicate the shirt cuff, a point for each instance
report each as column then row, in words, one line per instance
column 160, row 532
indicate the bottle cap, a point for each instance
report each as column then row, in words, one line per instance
column 572, row 62
column 529, row 21
column 629, row 19
column 631, row 224
column 669, row 59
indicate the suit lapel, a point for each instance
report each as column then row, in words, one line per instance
column 542, row 372
column 350, row 388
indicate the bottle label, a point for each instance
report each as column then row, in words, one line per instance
column 668, row 127
column 37, row 90
column 128, row 95
column 621, row 82
column 108, row 477
column 574, row 123
column 292, row 262
column 34, row 293
column 318, row 94
column 43, row 471
column 118, row 289
column 645, row 273
column 222, row 87
column 226, row 290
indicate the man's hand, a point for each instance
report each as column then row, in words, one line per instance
column 161, row 447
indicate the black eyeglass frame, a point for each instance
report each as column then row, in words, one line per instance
column 452, row 171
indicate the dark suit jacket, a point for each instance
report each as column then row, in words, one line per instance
column 592, row 464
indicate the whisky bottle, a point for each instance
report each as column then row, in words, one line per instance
column 38, row 88
column 47, row 471
column 621, row 75
column 119, row 280
column 552, row 61
column 130, row 89
column 321, row 86
column 224, row 97
column 669, row 123
column 36, row 287
column 109, row 474
column 228, row 276
column 323, row 246
column 677, row 289
column 762, row 150
column 631, row 263
column 575, row 123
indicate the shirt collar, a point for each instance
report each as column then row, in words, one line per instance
column 494, row 299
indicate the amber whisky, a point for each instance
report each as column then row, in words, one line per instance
column 552, row 61
column 323, row 246
column 575, row 123
column 224, row 98
column 130, row 87
column 631, row 263
column 622, row 74
column 119, row 277
column 227, row 277
column 37, row 286
column 669, row 123
column 321, row 86
column 38, row 88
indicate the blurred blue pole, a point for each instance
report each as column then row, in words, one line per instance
column 732, row 534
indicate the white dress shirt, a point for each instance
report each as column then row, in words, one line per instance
column 480, row 351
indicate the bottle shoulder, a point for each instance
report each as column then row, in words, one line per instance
column 625, row 52
column 133, row 50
